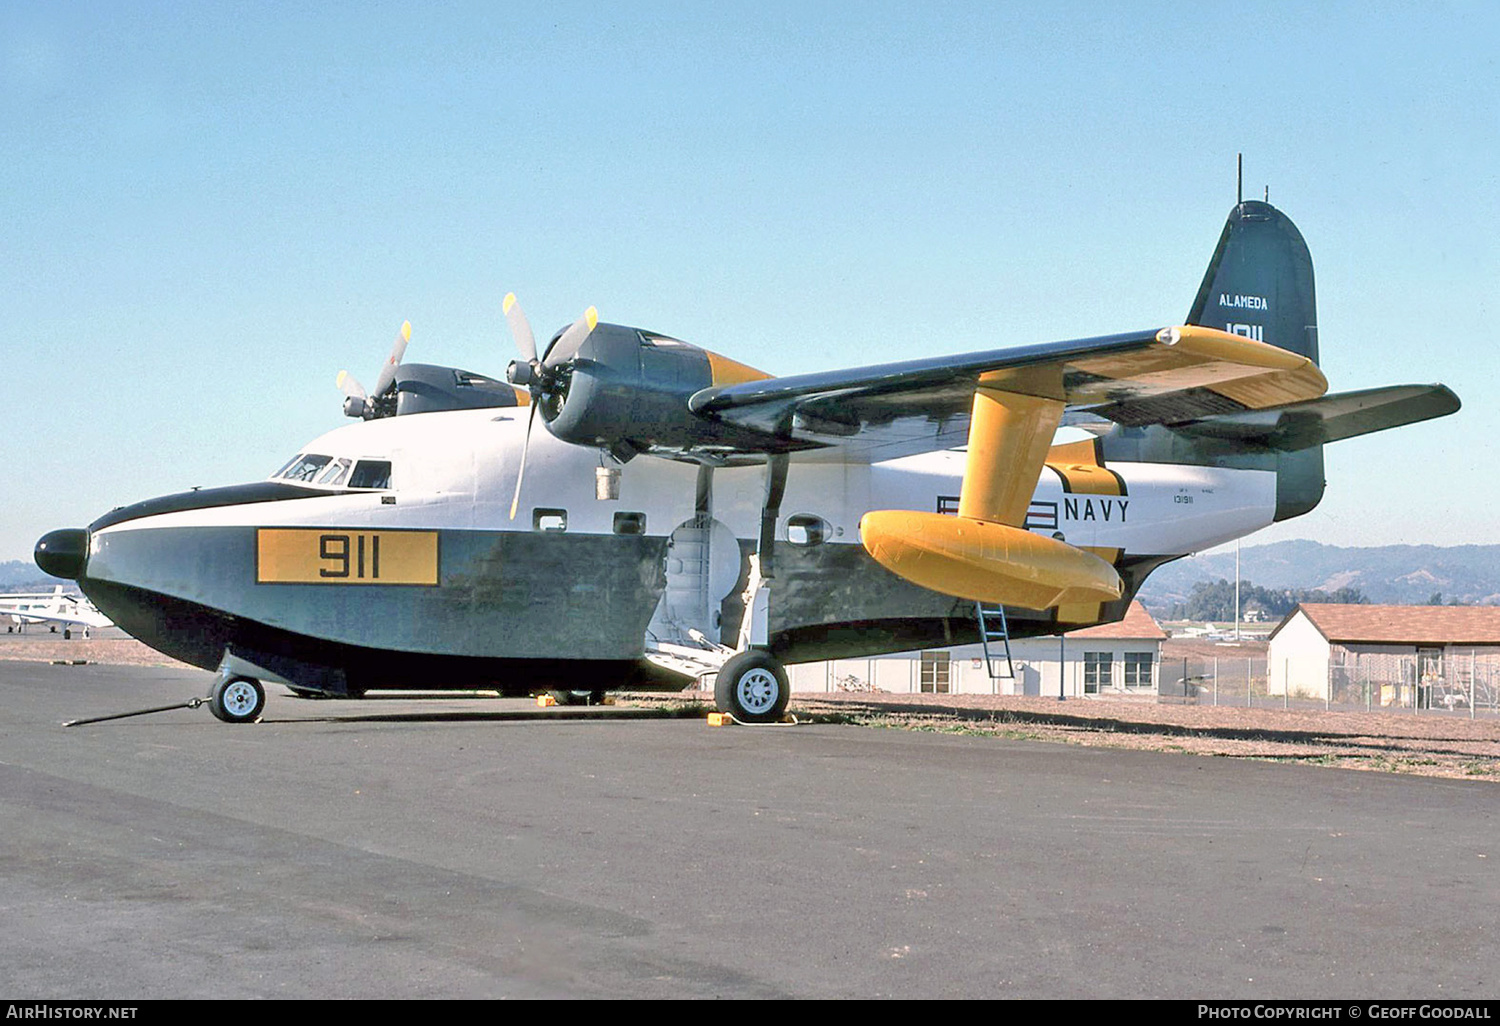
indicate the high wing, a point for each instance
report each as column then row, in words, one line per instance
column 1168, row 376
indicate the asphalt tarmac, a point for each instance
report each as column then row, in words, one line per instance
column 399, row 849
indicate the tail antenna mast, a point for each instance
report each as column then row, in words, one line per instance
column 1239, row 179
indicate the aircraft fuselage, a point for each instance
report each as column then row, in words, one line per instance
column 430, row 583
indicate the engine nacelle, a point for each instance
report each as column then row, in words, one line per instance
column 627, row 391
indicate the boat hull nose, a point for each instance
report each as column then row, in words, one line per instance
column 63, row 553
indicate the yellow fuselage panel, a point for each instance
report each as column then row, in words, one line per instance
column 985, row 561
column 317, row 555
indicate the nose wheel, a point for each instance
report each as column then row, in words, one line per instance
column 752, row 687
column 237, row 700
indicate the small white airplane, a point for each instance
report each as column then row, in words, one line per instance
column 54, row 608
column 1208, row 631
column 683, row 515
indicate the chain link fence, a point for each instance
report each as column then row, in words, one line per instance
column 1461, row 682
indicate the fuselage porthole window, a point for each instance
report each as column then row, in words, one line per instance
column 549, row 519
column 630, row 523
column 807, row 529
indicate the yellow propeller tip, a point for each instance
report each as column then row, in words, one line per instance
column 592, row 316
column 339, row 381
column 406, row 330
column 510, row 301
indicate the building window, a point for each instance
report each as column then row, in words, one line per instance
column 1137, row 669
column 1096, row 668
column 935, row 668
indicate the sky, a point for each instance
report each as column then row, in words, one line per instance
column 210, row 209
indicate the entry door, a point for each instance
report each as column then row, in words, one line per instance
column 703, row 565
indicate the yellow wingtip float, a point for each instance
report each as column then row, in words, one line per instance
column 985, row 561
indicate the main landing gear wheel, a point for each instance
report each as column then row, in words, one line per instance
column 752, row 687
column 237, row 700
column 578, row 697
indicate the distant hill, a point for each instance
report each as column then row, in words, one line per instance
column 24, row 575
column 1389, row 574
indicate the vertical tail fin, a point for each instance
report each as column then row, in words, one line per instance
column 1260, row 282
column 1260, row 285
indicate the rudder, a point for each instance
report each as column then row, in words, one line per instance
column 1259, row 284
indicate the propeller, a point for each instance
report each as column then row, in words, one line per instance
column 358, row 402
column 543, row 377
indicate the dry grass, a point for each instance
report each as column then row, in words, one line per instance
column 1428, row 744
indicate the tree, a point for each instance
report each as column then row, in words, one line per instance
column 1214, row 600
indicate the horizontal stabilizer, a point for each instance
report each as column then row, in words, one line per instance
column 1298, row 426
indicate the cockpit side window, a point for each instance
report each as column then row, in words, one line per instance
column 304, row 467
column 371, row 474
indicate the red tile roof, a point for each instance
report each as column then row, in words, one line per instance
column 1137, row 625
column 1403, row 625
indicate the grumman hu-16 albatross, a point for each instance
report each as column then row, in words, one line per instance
column 683, row 515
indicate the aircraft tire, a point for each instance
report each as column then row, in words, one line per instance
column 752, row 687
column 577, row 696
column 237, row 700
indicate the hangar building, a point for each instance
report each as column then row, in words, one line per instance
column 1391, row 655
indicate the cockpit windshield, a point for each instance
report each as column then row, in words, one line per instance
column 304, row 468
column 336, row 472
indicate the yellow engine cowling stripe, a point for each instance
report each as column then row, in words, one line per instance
column 725, row 371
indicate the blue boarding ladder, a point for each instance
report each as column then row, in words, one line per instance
column 993, row 628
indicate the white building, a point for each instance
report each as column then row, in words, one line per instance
column 1115, row 658
column 1393, row 655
